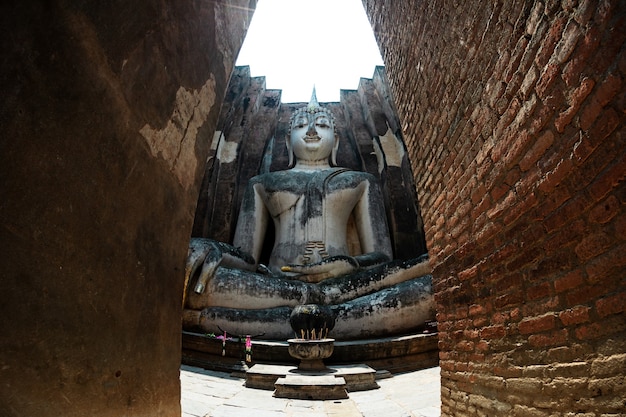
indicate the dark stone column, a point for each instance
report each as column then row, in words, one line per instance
column 106, row 116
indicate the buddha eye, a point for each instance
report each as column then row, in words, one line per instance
column 322, row 122
column 300, row 123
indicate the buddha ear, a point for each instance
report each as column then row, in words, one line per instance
column 289, row 152
column 333, row 155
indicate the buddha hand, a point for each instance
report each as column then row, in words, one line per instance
column 333, row 266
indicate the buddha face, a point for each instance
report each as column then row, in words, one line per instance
column 312, row 136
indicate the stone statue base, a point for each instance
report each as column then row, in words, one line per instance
column 394, row 354
column 314, row 387
column 332, row 383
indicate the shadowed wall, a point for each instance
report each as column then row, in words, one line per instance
column 106, row 116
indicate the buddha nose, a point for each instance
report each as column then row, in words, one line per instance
column 311, row 130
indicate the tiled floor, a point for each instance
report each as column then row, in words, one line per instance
column 217, row 394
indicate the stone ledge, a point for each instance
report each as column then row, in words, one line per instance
column 394, row 354
column 357, row 377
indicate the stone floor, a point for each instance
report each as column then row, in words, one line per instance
column 217, row 394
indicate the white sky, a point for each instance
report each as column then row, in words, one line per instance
column 296, row 44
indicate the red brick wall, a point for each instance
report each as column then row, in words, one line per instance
column 514, row 112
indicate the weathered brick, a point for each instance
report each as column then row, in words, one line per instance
column 566, row 236
column 482, row 346
column 607, row 365
column 526, row 259
column 534, row 308
column 447, row 365
column 519, row 209
column 500, row 317
column 493, row 332
column 576, row 315
column 568, row 211
column 556, row 176
column 582, row 149
column 593, row 245
column 542, row 116
column 537, row 150
column 566, row 45
column 572, row 369
column 539, row 291
column 571, row 353
column 550, row 41
column 611, row 42
column 480, row 321
column 613, row 304
column 546, row 80
column 608, row 89
column 557, row 337
column 528, row 183
column 609, row 178
column 537, row 324
column 614, row 324
column 584, row 12
column 619, row 225
column 605, row 210
column 584, row 295
column 478, row 194
column 518, row 146
column 586, row 46
column 553, row 200
column 504, row 283
column 503, row 205
column 599, row 160
column 563, row 386
column 469, row 273
column 471, row 334
column 571, row 280
column 477, row 309
column 576, row 100
column 605, row 267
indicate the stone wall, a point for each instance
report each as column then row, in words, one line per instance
column 106, row 116
column 514, row 112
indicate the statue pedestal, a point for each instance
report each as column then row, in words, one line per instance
column 355, row 377
column 311, row 387
column 394, row 354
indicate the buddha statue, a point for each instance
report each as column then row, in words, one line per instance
column 331, row 248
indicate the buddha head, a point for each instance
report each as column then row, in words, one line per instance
column 312, row 134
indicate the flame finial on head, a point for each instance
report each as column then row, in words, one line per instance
column 313, row 107
column 313, row 103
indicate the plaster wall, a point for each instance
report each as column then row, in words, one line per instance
column 106, row 116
